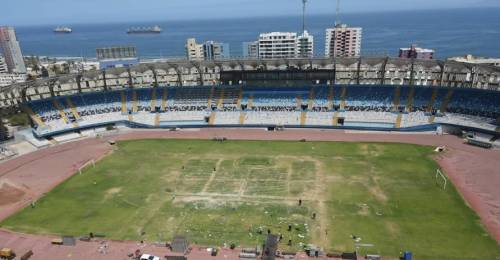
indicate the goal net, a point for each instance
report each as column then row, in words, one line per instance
column 441, row 180
column 89, row 163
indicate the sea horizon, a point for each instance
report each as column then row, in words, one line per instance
column 384, row 33
column 329, row 14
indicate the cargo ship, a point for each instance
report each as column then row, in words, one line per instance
column 63, row 30
column 154, row 29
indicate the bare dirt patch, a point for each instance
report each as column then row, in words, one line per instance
column 113, row 191
column 393, row 228
column 377, row 192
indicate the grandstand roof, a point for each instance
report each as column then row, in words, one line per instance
column 363, row 70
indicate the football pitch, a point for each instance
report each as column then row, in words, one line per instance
column 217, row 193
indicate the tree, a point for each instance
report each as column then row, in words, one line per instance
column 4, row 132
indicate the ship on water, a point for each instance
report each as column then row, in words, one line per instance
column 136, row 30
column 63, row 29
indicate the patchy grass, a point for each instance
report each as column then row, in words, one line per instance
column 383, row 193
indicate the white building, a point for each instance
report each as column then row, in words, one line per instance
column 9, row 46
column 194, row 51
column 305, row 45
column 276, row 45
column 477, row 60
column 343, row 41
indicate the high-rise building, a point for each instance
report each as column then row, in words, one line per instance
column 251, row 49
column 305, row 45
column 9, row 47
column 416, row 53
column 194, row 51
column 276, row 45
column 343, row 41
column 215, row 50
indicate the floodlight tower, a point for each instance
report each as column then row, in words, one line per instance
column 304, row 3
column 337, row 15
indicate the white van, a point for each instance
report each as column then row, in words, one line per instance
column 149, row 257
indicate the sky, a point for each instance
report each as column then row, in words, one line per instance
column 32, row 12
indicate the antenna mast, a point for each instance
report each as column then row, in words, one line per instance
column 304, row 2
column 337, row 17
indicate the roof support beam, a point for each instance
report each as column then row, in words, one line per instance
column 50, row 84
column 412, row 73
column 130, row 79
column 105, row 85
column 79, row 83
column 443, row 68
column 383, row 70
column 358, row 73
column 155, row 76
column 179, row 75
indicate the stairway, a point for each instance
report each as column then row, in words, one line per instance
column 60, row 109
column 335, row 118
column 432, row 101
column 220, row 102
column 446, row 101
column 157, row 119
column 240, row 97
column 299, row 102
column 242, row 118
column 303, row 117
column 342, row 97
column 73, row 109
column 398, row 120
column 310, row 102
column 36, row 118
column 124, row 102
column 209, row 101
column 396, row 99
column 153, row 100
column 211, row 120
column 164, row 99
column 134, row 102
column 330, row 98
column 250, row 102
column 409, row 100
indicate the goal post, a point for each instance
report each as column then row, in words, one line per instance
column 441, row 179
column 90, row 162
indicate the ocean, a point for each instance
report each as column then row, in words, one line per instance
column 450, row 32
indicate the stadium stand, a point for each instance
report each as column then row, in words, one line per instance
column 355, row 106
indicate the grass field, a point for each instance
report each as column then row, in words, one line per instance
column 153, row 189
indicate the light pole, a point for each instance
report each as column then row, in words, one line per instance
column 304, row 3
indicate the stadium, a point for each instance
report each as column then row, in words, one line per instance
column 334, row 157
